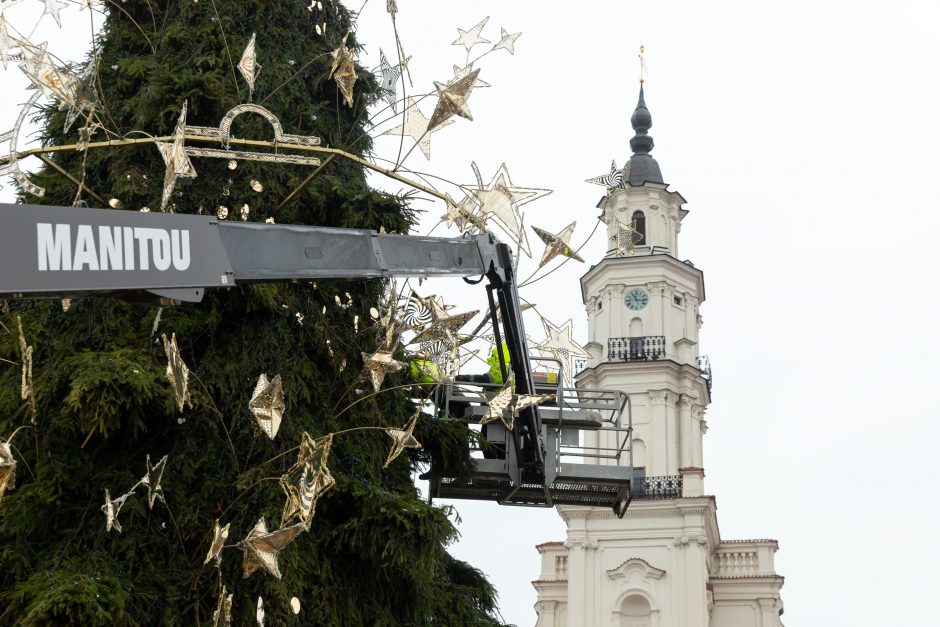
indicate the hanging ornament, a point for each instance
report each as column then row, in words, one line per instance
column 469, row 38
column 377, row 365
column 222, row 616
column 343, row 71
column 261, row 547
column 625, row 239
column 392, row 7
column 177, row 161
column 152, row 480
column 557, row 244
column 307, row 480
column 561, row 346
column 416, row 126
column 256, row 186
column 249, row 67
column 52, row 8
column 7, row 44
column 443, row 325
column 222, row 212
column 504, row 404
column 507, row 41
column 452, row 99
column 295, row 605
column 259, row 613
column 7, row 468
column 464, row 214
column 112, row 508
column 613, row 180
column 402, row 438
column 177, row 373
column 245, row 211
column 267, row 405
column 388, row 82
column 501, row 199
column 219, row 536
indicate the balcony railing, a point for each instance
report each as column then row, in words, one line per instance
column 705, row 369
column 666, row 487
column 641, row 348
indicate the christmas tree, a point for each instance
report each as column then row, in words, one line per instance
column 101, row 413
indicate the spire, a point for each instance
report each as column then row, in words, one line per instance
column 643, row 167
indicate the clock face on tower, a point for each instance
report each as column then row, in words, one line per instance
column 636, row 299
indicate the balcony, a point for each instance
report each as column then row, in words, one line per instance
column 650, row 488
column 643, row 348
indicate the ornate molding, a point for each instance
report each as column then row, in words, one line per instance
column 687, row 401
column 684, row 541
column 659, row 397
column 635, row 565
column 583, row 544
column 767, row 605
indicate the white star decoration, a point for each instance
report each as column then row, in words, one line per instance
column 501, row 199
column 508, row 41
column 504, row 404
column 415, row 125
column 469, row 38
column 249, row 67
column 560, row 344
column 52, row 8
column 389, row 80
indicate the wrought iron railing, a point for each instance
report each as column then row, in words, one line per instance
column 666, row 487
column 641, row 348
column 705, row 369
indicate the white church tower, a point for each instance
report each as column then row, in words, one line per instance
column 664, row 564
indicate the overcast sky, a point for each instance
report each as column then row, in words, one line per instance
column 804, row 136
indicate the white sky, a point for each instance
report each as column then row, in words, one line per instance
column 804, row 136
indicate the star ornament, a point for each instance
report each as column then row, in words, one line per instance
column 343, row 71
column 177, row 373
column 219, row 536
column 557, row 244
column 612, row 180
column 452, row 99
column 507, row 41
column 464, row 214
column 416, row 126
column 401, row 439
column 52, row 8
column 307, row 480
column 112, row 508
column 443, row 325
column 7, row 468
column 502, row 200
column 267, row 404
column 388, row 83
column 152, row 481
column 249, row 67
column 625, row 238
column 560, row 345
column 469, row 38
column 379, row 364
column 261, row 547
column 504, row 404
column 222, row 616
column 176, row 160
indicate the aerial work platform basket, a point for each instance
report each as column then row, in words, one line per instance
column 587, row 442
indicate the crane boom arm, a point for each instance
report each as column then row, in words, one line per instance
column 61, row 252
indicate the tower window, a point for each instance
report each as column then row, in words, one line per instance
column 677, row 300
column 639, row 220
column 600, row 305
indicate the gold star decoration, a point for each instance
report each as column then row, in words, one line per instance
column 625, row 238
column 177, row 372
column 249, row 67
column 222, row 616
column 7, row 468
column 501, row 199
column 469, row 38
column 401, row 439
column 176, row 160
column 343, row 71
column 152, row 480
column 261, row 547
column 504, row 404
column 460, row 72
column 415, row 125
column 112, row 508
column 219, row 536
column 507, row 41
column 267, row 404
column 452, row 99
column 307, row 480
column 377, row 365
column 463, row 215
column 557, row 244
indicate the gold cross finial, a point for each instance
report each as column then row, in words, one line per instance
column 642, row 64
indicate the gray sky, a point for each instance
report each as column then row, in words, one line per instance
column 804, row 136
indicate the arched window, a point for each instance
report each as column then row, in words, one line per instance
column 639, row 220
column 635, row 612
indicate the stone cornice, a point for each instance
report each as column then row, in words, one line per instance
column 648, row 571
column 654, row 262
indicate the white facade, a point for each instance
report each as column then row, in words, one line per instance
column 664, row 563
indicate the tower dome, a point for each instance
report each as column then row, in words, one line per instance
column 642, row 166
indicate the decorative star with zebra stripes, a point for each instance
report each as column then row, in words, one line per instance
column 615, row 179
